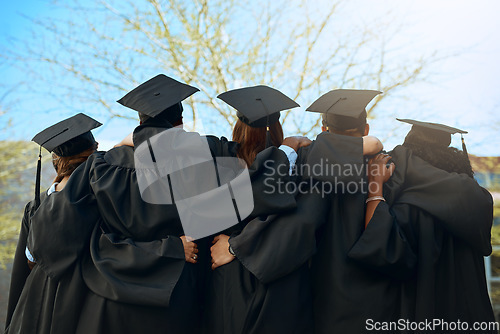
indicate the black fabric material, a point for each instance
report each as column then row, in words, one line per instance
column 260, row 122
column 123, row 254
column 158, row 95
column 49, row 305
column 429, row 240
column 343, row 123
column 240, row 303
column 76, row 145
column 346, row 291
column 436, row 127
column 20, row 269
column 258, row 106
column 64, row 131
column 38, row 179
column 266, row 289
column 259, row 246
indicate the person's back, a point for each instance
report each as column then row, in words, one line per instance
column 237, row 301
column 342, row 289
column 40, row 287
column 445, row 232
column 143, row 273
column 136, row 256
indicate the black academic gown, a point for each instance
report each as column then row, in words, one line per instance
column 239, row 302
column 348, row 294
column 351, row 295
column 185, row 310
column 54, row 289
column 267, row 288
column 431, row 244
column 341, row 289
column 20, row 268
column 128, row 251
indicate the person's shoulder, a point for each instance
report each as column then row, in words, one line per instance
column 121, row 156
column 222, row 146
column 29, row 206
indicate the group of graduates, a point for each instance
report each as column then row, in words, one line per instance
column 94, row 257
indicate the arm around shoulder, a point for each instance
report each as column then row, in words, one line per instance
column 371, row 145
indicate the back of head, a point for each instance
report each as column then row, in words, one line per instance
column 345, row 125
column 158, row 99
column 171, row 115
column 344, row 110
column 68, row 156
column 252, row 140
column 66, row 139
column 432, row 146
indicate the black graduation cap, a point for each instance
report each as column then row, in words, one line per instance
column 157, row 95
column 68, row 137
column 433, row 126
column 258, row 106
column 343, row 109
column 440, row 133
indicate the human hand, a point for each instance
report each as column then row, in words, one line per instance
column 296, row 142
column 379, row 173
column 190, row 249
column 220, row 251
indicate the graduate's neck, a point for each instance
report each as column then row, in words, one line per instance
column 61, row 184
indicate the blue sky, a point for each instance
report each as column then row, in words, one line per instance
column 464, row 93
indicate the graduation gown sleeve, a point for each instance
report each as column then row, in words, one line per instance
column 137, row 272
column 269, row 169
column 273, row 247
column 61, row 227
column 463, row 207
column 385, row 246
column 456, row 201
column 20, row 269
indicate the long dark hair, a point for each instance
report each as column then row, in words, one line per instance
column 253, row 140
column 437, row 154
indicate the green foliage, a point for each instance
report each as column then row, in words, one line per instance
column 17, row 171
column 495, row 235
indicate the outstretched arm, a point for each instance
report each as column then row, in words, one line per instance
column 127, row 141
column 371, row 145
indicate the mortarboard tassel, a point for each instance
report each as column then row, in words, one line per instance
column 38, row 176
column 268, row 138
column 464, row 148
column 268, row 133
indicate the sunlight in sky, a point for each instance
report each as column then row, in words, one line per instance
column 462, row 92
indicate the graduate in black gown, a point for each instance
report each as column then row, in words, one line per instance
column 71, row 143
column 441, row 273
column 347, row 293
column 142, row 274
column 237, row 302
